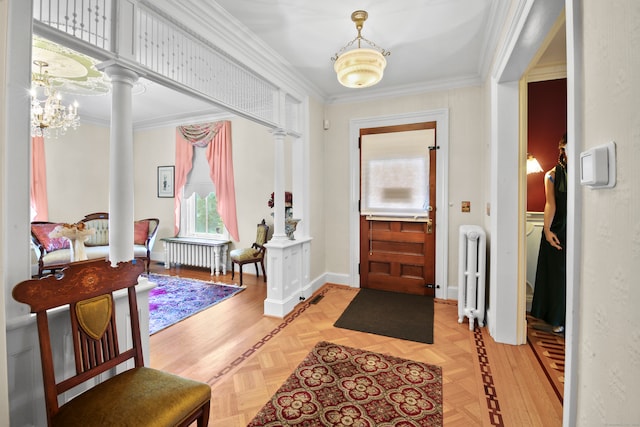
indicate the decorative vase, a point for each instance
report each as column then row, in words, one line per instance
column 290, row 225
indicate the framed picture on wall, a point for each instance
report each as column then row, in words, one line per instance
column 165, row 181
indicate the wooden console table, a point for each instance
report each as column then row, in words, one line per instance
column 196, row 252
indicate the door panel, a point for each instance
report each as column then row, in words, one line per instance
column 399, row 255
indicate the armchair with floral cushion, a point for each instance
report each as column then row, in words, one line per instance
column 54, row 253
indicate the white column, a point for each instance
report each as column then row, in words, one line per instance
column 278, row 186
column 121, row 164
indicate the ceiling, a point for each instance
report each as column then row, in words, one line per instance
column 433, row 44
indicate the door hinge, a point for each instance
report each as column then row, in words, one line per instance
column 434, row 147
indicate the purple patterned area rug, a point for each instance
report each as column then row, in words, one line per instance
column 176, row 298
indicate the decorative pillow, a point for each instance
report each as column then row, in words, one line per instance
column 140, row 232
column 41, row 231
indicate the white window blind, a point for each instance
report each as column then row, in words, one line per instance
column 198, row 180
column 395, row 173
column 198, row 217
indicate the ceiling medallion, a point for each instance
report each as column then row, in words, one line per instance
column 360, row 67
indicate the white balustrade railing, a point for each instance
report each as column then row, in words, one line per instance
column 87, row 20
column 168, row 49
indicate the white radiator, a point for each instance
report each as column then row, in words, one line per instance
column 471, row 274
column 196, row 252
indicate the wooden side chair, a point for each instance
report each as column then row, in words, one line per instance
column 139, row 396
column 252, row 255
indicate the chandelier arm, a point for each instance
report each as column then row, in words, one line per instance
column 342, row 49
column 376, row 47
column 382, row 51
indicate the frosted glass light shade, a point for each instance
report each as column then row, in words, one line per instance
column 360, row 68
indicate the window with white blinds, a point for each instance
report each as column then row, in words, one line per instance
column 395, row 173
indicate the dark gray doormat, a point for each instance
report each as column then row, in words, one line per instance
column 404, row 316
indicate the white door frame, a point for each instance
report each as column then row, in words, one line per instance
column 441, row 117
column 534, row 19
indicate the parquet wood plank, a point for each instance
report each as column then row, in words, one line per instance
column 246, row 356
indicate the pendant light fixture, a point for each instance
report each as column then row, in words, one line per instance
column 360, row 67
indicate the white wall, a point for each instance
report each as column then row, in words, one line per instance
column 609, row 345
column 4, row 386
column 466, row 171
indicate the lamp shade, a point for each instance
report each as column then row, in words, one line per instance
column 533, row 166
column 360, row 68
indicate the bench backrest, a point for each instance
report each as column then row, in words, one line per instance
column 100, row 222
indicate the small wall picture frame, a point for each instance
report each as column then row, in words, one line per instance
column 166, row 176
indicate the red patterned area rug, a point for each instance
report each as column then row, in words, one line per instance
column 342, row 386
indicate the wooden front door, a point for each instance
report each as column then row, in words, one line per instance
column 398, row 254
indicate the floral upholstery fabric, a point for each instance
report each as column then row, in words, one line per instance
column 41, row 232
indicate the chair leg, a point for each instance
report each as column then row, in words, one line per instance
column 203, row 420
column 264, row 272
column 240, row 266
column 233, row 270
column 257, row 272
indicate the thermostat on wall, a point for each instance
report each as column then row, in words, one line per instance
column 598, row 166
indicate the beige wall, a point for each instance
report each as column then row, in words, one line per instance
column 467, row 174
column 78, row 173
column 317, row 182
column 609, row 342
column 78, row 177
column 253, row 169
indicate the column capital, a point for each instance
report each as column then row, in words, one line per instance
column 279, row 133
column 119, row 72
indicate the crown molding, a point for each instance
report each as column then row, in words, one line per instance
column 407, row 90
column 497, row 16
column 213, row 25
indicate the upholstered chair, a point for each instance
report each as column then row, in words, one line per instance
column 253, row 255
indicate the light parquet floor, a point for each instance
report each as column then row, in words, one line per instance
column 246, row 356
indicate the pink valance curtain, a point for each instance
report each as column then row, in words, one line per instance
column 38, row 196
column 216, row 137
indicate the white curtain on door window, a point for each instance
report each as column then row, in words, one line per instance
column 395, row 173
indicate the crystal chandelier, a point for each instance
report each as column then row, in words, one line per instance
column 49, row 117
column 358, row 68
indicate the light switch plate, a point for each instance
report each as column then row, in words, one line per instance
column 598, row 166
